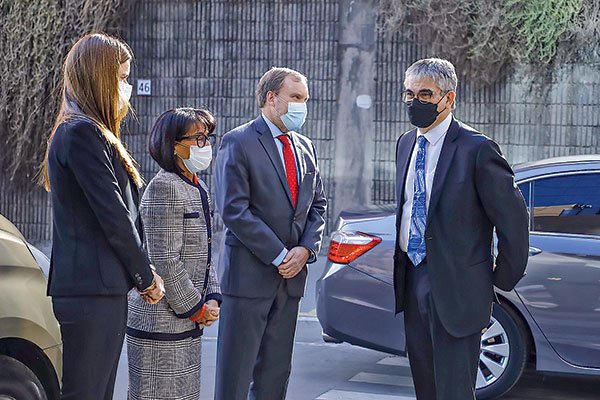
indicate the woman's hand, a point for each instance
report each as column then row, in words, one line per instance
column 212, row 312
column 208, row 314
column 155, row 292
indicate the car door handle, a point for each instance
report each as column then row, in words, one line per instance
column 534, row 251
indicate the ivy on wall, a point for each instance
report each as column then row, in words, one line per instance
column 540, row 25
column 488, row 39
column 34, row 39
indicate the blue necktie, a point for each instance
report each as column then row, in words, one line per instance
column 418, row 219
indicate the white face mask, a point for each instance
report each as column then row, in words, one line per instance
column 200, row 158
column 125, row 90
column 295, row 116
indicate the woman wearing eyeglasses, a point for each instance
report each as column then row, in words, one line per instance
column 176, row 217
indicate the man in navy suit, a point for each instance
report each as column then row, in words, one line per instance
column 454, row 188
column 270, row 196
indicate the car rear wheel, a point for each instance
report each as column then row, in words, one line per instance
column 503, row 354
column 17, row 382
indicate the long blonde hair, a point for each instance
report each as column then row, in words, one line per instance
column 90, row 91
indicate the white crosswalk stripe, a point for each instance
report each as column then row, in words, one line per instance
column 396, row 361
column 345, row 395
column 389, row 379
column 383, row 379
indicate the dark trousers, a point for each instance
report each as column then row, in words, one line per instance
column 254, row 346
column 92, row 329
column 443, row 367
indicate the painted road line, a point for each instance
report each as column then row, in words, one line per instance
column 383, row 379
column 345, row 395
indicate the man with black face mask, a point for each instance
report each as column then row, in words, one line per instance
column 454, row 188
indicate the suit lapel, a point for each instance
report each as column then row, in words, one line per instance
column 443, row 166
column 404, row 150
column 266, row 139
column 301, row 162
column 403, row 154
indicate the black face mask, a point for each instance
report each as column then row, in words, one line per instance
column 421, row 114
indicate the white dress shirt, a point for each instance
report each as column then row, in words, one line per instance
column 435, row 140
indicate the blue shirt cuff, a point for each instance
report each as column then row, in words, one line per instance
column 279, row 259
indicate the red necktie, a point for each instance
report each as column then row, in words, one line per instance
column 290, row 167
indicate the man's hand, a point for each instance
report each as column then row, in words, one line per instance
column 293, row 262
column 155, row 292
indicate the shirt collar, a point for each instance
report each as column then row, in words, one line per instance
column 186, row 180
column 437, row 133
column 275, row 131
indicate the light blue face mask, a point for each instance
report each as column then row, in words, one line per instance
column 295, row 117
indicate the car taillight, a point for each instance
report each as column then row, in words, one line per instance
column 346, row 247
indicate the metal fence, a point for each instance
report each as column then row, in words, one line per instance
column 212, row 53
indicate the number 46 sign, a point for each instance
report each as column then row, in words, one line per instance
column 144, row 87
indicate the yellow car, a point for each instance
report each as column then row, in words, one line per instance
column 30, row 342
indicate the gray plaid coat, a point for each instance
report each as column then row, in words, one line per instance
column 176, row 239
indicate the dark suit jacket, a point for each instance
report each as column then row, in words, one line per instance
column 96, row 247
column 254, row 200
column 473, row 192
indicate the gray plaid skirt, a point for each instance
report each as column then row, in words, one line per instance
column 164, row 369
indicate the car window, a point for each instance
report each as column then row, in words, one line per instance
column 567, row 204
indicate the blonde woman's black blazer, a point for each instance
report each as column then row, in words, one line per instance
column 96, row 244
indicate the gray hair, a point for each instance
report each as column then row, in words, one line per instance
column 440, row 71
column 272, row 81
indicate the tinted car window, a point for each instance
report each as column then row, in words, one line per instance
column 567, row 204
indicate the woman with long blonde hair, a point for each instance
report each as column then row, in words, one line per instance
column 97, row 254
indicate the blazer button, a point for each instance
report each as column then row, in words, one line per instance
column 430, row 238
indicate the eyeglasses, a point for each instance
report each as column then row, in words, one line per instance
column 424, row 96
column 201, row 139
